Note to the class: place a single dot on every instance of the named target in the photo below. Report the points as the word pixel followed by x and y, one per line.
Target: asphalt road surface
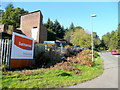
pixel 109 78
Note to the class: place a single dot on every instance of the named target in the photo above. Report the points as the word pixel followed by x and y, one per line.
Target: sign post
pixel 22 51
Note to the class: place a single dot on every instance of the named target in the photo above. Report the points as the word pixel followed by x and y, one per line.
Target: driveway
pixel 109 78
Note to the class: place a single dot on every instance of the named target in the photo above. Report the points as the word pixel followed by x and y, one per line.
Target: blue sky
pixel 78 13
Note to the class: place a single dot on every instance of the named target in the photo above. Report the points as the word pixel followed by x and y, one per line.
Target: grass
pixel 0 78
pixel 51 78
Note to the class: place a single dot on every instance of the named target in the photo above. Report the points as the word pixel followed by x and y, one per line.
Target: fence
pixel 56 50
pixel 5 51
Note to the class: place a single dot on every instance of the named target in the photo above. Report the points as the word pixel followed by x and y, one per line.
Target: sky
pixel 77 12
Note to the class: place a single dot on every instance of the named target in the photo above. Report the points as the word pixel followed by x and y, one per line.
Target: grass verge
pixel 0 78
pixel 51 78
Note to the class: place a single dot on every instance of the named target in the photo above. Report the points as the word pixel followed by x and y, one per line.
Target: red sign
pixel 23 43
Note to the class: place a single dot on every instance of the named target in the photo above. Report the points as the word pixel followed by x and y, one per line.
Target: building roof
pixel 33 12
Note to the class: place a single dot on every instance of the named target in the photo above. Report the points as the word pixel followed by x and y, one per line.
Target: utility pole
pixel 92 42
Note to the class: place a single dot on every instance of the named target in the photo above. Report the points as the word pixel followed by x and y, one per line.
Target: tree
pixel 59 30
pixel 12 15
pixel 68 35
pixel 97 41
pixel 51 35
pixel 1 11
pixel 9 6
pixel 81 38
pixel 106 39
pixel 55 29
pixel 72 27
pixel 102 45
pixel 49 24
pixel 78 37
pixel 62 32
pixel 18 12
pixel 111 40
pixel 7 16
pixel 113 43
pixel 119 36
pixel 78 27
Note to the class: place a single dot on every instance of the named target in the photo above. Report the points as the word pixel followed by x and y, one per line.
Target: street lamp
pixel 92 42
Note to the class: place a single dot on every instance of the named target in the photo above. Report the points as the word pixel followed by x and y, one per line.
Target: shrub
pixel 69 68
pixel 96 54
pixel 83 58
pixel 62 64
pixel 47 59
pixel 67 46
pixel 66 66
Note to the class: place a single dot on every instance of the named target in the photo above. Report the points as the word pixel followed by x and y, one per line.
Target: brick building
pixel 32 26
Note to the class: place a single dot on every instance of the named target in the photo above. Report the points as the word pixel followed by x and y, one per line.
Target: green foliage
pixel 97 41
pixel 51 35
pixel 49 24
pixel 79 37
pixel 10 29
pixel 72 27
pixel 118 36
pixel 111 40
pixel 67 35
pixel 1 11
pixel 69 32
pixel 78 27
pixel 96 54
pixel 58 29
pixel 47 59
pixel 55 30
pixel 9 6
pixel 12 15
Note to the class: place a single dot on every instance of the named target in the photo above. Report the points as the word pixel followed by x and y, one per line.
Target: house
pixel 31 25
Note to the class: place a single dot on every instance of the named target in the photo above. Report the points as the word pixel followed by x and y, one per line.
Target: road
pixel 109 78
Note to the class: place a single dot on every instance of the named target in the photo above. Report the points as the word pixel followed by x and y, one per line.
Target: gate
pixel 5 52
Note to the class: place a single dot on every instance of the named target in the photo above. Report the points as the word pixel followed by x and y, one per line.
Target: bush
pixel 47 59
pixel 96 54
pixel 83 58
pixel 66 66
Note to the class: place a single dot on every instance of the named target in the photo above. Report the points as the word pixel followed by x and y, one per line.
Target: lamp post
pixel 92 42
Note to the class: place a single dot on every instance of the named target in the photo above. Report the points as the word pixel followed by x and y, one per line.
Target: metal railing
pixel 5 51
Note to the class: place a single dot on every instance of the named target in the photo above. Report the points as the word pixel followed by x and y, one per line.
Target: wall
pixel 43 34
pixel 29 21
pixel 33 20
